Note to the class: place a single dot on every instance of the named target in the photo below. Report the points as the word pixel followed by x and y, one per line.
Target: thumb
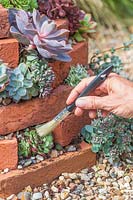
pixel 93 102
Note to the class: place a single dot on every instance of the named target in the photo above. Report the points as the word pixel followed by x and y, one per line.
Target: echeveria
pixel 39 32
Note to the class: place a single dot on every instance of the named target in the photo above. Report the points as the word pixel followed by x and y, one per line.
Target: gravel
pixel 96 183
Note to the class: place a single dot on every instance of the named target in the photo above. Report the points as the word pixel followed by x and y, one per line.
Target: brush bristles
pixel 46 128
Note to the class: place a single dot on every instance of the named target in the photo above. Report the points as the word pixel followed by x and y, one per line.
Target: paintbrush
pixel 47 128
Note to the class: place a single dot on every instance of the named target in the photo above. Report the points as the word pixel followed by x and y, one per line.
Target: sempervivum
pixel 39 32
pixel 62 8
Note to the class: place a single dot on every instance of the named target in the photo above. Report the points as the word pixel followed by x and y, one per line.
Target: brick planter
pixel 4 24
pixel 79 55
pixel 44 172
pixel 36 111
pixel 69 128
pixel 8 154
pixel 9 51
pixel 16 117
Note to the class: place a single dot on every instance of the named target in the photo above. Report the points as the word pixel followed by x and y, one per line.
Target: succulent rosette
pixel 41 33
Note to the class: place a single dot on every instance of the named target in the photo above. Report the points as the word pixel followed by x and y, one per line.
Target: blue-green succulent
pixel 21 85
pixel 4 80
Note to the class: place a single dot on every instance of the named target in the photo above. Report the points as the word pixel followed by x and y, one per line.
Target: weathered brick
pixel 4 24
pixel 46 171
pixel 62 24
pixel 8 154
pixel 79 55
pixel 36 111
pixel 9 51
pixel 70 128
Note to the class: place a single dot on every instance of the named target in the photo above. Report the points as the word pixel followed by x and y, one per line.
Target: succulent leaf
pixel 4 79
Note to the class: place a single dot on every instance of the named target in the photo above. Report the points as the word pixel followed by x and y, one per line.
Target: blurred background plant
pixel 100 60
pixel 109 13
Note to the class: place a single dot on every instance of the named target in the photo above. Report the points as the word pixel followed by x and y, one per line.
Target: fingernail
pixel 80 103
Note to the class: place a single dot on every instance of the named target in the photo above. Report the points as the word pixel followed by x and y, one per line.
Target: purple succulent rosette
pixel 41 33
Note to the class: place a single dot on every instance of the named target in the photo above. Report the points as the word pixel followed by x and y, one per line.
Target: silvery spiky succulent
pixel 76 74
pixel 39 32
pixel 21 85
pixel 4 80
pixel 42 74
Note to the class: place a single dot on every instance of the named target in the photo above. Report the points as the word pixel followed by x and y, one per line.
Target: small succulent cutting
pixel 27 5
pixel 40 33
pixel 4 79
pixel 62 8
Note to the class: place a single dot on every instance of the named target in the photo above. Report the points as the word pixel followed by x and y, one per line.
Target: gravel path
pixel 101 182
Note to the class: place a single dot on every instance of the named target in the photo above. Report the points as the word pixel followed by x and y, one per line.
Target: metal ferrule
pixel 62 115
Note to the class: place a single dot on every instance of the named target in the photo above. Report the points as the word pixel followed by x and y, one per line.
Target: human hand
pixel 114 95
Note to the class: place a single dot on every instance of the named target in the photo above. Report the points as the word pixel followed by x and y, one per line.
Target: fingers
pixel 94 103
pixel 78 111
pixel 92 114
pixel 101 90
pixel 78 89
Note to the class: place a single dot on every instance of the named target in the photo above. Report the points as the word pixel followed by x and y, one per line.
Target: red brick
pixel 69 128
pixel 9 52
pixel 62 24
pixel 46 171
pixel 36 111
pixel 84 145
pixel 4 24
pixel 79 55
pixel 8 154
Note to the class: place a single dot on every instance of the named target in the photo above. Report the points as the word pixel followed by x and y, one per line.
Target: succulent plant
pixel 111 135
pixel 87 26
pixel 76 74
pixel 27 5
pixel 21 85
pixel 32 144
pixel 4 79
pixel 62 8
pixel 38 32
pixel 42 74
